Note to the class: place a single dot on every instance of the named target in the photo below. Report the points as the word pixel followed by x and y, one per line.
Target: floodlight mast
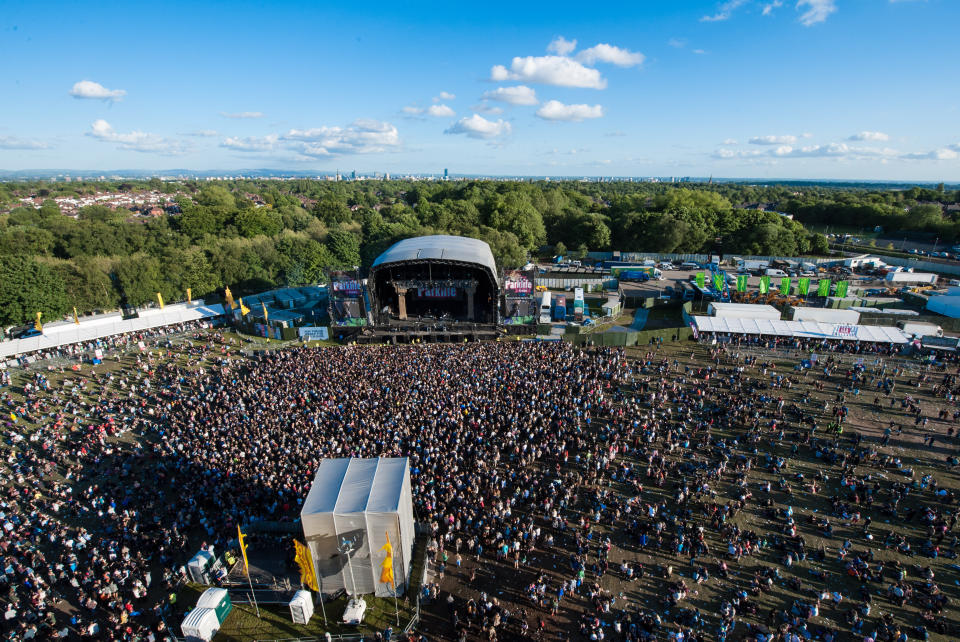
pixel 345 548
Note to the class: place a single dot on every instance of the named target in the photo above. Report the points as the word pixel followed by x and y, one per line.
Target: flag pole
pixel 246 567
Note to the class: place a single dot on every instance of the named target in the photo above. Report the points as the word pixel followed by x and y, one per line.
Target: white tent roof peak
pixel 351 485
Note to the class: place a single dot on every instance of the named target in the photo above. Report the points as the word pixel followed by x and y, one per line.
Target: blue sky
pixel 744 88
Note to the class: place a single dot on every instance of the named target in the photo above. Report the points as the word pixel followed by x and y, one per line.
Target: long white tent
pixel 351 508
pixel 802 329
pixel 106 325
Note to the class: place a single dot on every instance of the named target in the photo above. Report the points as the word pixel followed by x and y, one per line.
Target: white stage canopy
pixel 97 327
pixel 360 501
pixel 802 329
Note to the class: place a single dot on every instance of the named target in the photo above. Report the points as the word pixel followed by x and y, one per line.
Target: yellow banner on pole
pixel 386 567
pixel 76 319
pixel 244 310
pixel 243 550
pixel 160 300
pixel 228 295
pixel 189 295
pixel 266 315
pixel 36 324
pixel 305 562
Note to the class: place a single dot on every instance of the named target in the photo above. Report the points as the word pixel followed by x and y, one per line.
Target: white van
pixel 774 272
pixel 689 265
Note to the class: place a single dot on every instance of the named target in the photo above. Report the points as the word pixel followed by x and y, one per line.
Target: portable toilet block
pixel 200 567
pixel 217 599
pixel 200 624
pixel 301 607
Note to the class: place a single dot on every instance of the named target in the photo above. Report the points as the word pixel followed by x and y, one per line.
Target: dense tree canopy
pixel 252 234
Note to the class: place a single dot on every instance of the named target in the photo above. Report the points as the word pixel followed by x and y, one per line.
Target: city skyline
pixel 816 89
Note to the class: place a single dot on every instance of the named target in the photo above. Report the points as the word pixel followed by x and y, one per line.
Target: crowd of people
pixel 707 494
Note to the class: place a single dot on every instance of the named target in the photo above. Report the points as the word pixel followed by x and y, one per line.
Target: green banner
pixel 803 286
pixel 718 282
pixel 785 285
pixel 701 280
pixel 841 289
pixel 742 282
pixel 764 284
pixel 823 287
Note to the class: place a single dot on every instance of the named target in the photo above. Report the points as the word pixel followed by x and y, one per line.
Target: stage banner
pixel 785 285
pixel 845 329
pixel 345 284
pixel 437 293
pixel 701 280
pixel 313 333
pixel 803 286
pixel 764 284
pixel 518 284
pixel 842 289
pixel 823 287
pixel 742 281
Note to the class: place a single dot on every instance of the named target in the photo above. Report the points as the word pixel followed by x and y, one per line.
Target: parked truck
pixel 911 277
pixel 752 266
pixel 918 329
pixel 559 308
pixel 545 307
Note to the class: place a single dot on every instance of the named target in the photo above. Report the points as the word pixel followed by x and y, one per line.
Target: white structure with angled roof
pixel 351 507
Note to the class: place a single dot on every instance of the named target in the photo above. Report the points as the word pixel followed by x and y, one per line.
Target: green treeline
pixel 257 234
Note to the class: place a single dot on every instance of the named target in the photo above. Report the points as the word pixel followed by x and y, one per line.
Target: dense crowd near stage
pixel 689 492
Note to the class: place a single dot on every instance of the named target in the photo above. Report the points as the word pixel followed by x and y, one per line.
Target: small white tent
pixel 352 506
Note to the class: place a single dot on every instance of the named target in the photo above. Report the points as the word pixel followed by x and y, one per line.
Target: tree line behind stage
pixel 254 235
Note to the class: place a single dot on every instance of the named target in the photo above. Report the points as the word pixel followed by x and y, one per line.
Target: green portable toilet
pixel 217 599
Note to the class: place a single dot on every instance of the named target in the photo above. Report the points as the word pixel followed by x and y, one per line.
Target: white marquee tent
pixel 359 501
pixel 97 327
pixel 802 329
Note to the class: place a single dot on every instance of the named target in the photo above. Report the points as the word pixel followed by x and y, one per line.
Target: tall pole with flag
pixel 386 573
pixel 36 324
pixel 246 568
pixel 160 300
pixel 228 295
pixel 308 574
pixel 76 319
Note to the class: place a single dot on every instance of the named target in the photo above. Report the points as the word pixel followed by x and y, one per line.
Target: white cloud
pixel 413 110
pixel 363 136
pixel 136 141
pixel 609 53
pixel 441 111
pixel 549 70
pixel 556 110
pixel 15 142
pixel 444 95
pixel 729 141
pixel 242 114
pixel 678 43
pixel 944 153
pixel 872 136
pixel 769 7
pixel 724 11
pixel 699 52
pixel 477 126
pixel 96 91
pixel 787 139
pixel 728 154
pixel 203 133
pixel 837 151
pixel 252 143
pixel 561 46
pixel 816 12
pixel 519 95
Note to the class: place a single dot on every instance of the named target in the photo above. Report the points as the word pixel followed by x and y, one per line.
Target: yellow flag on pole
pixel 160 300
pixel 244 310
pixel 36 324
pixel 76 319
pixel 266 315
pixel 307 575
pixel 386 568
pixel 243 550
pixel 189 295
pixel 228 295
